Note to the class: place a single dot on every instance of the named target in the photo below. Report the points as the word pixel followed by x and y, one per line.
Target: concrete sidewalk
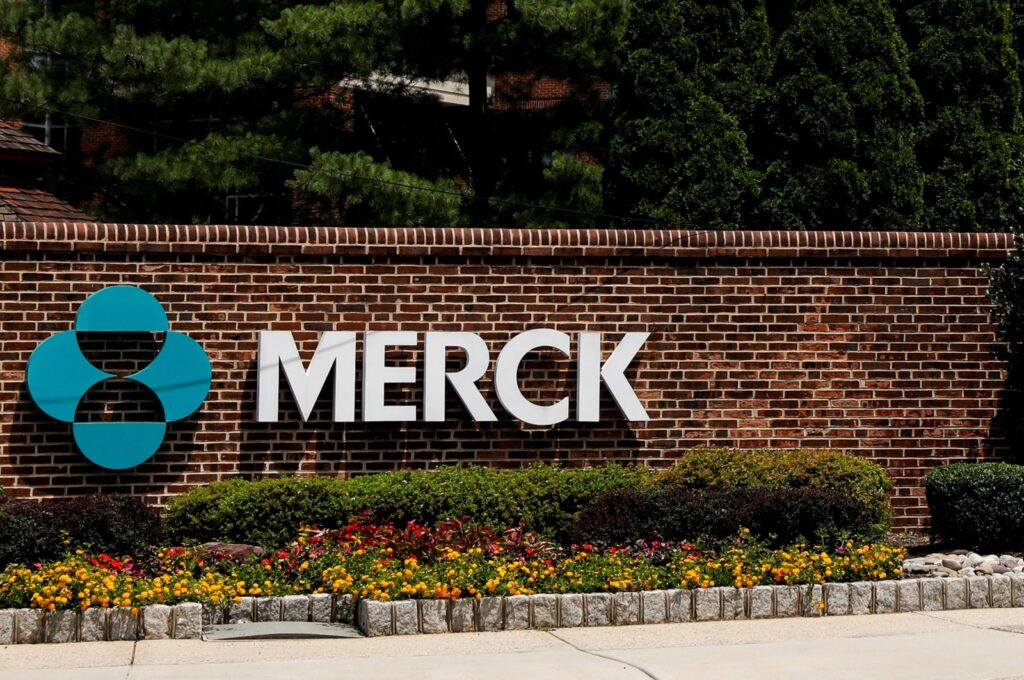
pixel 961 644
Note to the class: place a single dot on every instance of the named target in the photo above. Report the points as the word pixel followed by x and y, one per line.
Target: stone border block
pixel 122 624
pixel 156 622
pixel 860 597
pixel 320 606
pixel 812 600
pixel 268 608
pixel 374 618
pixel 545 611
pixel 29 626
pixel 463 616
pixel 1017 589
pixel 931 594
pixel 680 605
pixel 188 621
pixel 61 625
pixel 241 611
pixel 433 616
pixel 213 615
pixel 295 608
pixel 837 599
pixel 570 611
pixel 909 595
pixel 491 613
pixel 955 593
pixel 787 601
pixel 1000 588
pixel 598 609
pixel 885 597
pixel 654 606
pixel 407 617
pixel 344 609
pixel 734 603
pixel 625 609
pixel 977 592
pixel 762 602
pixel 7 627
pixel 708 604
pixel 92 626
pixel 517 612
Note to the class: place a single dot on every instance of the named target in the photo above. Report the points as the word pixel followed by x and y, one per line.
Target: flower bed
pixel 455 560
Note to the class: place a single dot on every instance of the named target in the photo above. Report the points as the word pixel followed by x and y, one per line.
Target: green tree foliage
pixel 964 58
pixel 841 154
pixel 222 98
pixel 693 82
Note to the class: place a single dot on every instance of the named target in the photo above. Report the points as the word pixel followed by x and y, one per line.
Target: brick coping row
pixel 417 241
pixel 519 612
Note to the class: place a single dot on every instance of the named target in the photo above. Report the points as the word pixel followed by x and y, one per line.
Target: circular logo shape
pixel 59 376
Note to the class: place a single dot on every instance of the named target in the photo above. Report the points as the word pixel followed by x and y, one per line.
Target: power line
pixel 351 175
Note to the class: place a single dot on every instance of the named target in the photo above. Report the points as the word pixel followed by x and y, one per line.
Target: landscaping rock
pixel 320 606
pixel 598 609
pixel 952 564
pixel 29 626
pixel 1017 589
pixel 571 611
pixel 188 621
pixel 655 606
pixel 680 606
pixel 235 551
pixel 492 612
pixel 708 604
pixel 344 609
pixel 433 616
pixel 123 624
pixel 213 615
pixel 464 616
pixel 625 609
pixel 517 612
pixel 91 628
pixel 813 600
pixel 761 602
pixel 61 626
pixel 860 597
pixel 407 618
pixel 7 627
pixel 545 611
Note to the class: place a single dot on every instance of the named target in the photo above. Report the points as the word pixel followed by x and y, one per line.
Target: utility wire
pixel 351 175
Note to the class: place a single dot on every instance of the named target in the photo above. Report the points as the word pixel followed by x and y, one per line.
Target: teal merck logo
pixel 59 376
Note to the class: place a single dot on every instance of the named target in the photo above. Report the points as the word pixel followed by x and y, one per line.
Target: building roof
pixel 21 204
pixel 14 139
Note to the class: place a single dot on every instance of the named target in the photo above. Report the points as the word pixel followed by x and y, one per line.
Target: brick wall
pixel 877 343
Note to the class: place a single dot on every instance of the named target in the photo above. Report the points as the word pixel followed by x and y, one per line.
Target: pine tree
pixel 234 97
pixel 692 87
pixel 964 58
pixel 840 152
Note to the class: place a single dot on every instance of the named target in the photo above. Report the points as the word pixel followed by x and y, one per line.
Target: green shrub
pixel 36 530
pixel 978 505
pixel 267 512
pixel 858 478
pixel 671 513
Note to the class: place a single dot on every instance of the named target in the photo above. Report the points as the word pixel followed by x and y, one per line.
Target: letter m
pixel 277 353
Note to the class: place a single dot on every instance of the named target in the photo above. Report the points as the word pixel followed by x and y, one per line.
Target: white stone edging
pixel 186 620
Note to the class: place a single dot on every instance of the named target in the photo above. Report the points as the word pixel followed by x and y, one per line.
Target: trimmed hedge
pixel 267 512
pixel 859 478
pixel 36 530
pixel 673 513
pixel 977 505
pixel 541 498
